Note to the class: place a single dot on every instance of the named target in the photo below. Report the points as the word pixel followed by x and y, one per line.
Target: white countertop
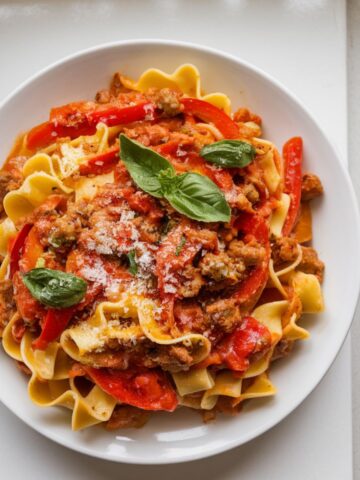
pixel 300 42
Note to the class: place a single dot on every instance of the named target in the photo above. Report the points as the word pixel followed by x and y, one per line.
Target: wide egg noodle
pixel 261 387
pixel 279 215
pixel 192 381
pixel 73 154
pixel 32 193
pixel 7 231
pixel 50 385
pixel 198 344
pixel 111 321
pixel 266 158
pixel 11 347
pixel 269 315
pixel 185 78
pixel 274 276
pixel 87 187
pixel 226 384
pixel 308 289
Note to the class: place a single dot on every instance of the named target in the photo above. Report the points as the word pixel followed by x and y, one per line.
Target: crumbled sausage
pixel 7 302
pixel 103 96
pixel 244 115
pixel 7 183
pixel 311 263
pixel 282 349
pixel 167 100
pixel 284 250
pixel 250 192
pixel 191 281
pixel 116 85
pixel 311 187
pixel 223 313
pixel 221 266
pixel 125 416
pixel 250 253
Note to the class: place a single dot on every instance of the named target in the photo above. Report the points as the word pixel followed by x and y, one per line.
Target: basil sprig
pixel 54 288
pixel 191 194
pixel 229 153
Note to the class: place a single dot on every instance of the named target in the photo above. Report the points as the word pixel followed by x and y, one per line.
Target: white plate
pixel 181 436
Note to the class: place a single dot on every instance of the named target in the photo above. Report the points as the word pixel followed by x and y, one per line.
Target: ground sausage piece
pixel 311 263
pixel 223 313
pixel 7 183
pixel 284 250
pixel 7 302
pixel 167 100
pixel 221 266
pixel 191 282
pixel 282 349
pixel 244 115
pixel 127 417
pixel 103 96
pixel 250 192
pixel 311 187
pixel 250 253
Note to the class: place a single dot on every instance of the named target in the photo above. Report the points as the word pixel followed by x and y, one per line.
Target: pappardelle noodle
pixel 155 253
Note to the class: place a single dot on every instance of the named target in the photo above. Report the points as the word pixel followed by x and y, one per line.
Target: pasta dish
pixel 155 253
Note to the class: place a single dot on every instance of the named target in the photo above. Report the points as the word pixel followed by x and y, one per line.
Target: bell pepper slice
pixel 235 349
pixel 101 163
pixel 292 153
pixel 211 114
pixel 31 251
pixel 77 119
pixel 54 324
pixel 254 226
pixel 139 387
pixel 16 247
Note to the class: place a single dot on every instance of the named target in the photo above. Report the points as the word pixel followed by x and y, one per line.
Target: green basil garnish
pixel 54 288
pixel 144 165
pixel 229 153
pixel 191 194
pixel 133 268
pixel 180 246
pixel 197 197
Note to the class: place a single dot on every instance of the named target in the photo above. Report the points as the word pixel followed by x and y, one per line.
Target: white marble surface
pixel 302 43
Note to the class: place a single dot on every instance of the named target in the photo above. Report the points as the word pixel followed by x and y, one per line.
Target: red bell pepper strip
pixel 292 153
pixel 73 120
pixel 16 246
pixel 54 324
pixel 254 226
pixel 101 163
pixel 31 251
pixel 211 114
pixel 139 387
pixel 235 349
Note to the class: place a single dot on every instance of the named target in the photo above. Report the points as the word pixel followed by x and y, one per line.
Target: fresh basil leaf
pixel 144 165
pixel 180 246
pixel 197 197
pixel 229 153
pixel 133 268
pixel 191 194
pixel 54 288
